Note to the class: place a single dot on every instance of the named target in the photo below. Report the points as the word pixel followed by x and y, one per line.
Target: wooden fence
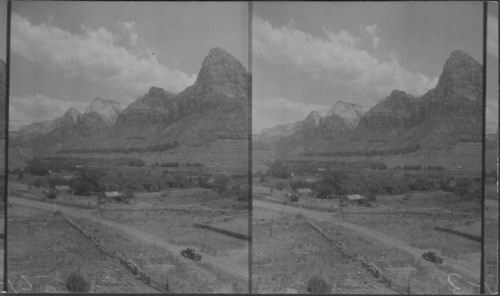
pixel 224 231
pixel 404 289
pixel 136 270
pixel 460 233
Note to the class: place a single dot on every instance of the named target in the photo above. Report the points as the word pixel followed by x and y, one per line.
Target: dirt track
pixel 227 265
pixel 466 270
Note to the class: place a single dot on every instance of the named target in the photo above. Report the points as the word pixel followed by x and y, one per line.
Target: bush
pixel 51 194
pixel 318 285
pixel 77 282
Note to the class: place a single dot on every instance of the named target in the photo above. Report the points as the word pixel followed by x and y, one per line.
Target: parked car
pixel 433 257
pixel 191 254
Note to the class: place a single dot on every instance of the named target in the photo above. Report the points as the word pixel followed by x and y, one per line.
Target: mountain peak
pixel 350 113
pixel 72 113
pixel 99 104
pixel 314 116
pixel 221 74
pixel 462 75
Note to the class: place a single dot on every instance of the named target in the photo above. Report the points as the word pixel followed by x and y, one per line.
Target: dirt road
pixel 231 267
pixel 471 272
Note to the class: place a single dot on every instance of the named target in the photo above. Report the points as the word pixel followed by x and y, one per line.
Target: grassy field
pixel 44 249
pixel 417 230
pixel 287 253
pixel 183 276
pixel 402 267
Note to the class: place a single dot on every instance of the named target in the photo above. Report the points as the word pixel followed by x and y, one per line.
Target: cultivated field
pixel 287 253
pixel 44 249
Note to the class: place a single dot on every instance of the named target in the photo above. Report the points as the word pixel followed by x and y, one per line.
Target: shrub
pixel 294 198
pixel 77 282
pixel 51 194
pixel 317 285
pixel 37 182
pixel 280 186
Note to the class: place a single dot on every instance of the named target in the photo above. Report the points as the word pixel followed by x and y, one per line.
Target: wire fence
pixel 374 269
pixel 224 231
pixel 162 286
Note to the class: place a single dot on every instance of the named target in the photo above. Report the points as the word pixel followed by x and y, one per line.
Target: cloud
pixel 339 57
pixel 271 112
pixel 373 33
pixel 26 110
pixel 94 54
pixel 492 38
pixel 491 115
pixel 130 29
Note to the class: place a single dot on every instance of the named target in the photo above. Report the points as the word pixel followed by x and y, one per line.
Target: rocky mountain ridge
pixel 445 115
pixel 214 107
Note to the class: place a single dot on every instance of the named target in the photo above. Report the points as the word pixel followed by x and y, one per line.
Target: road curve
pixel 241 271
pixel 468 271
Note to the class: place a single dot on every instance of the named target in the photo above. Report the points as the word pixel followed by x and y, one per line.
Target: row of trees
pixel 125 150
pixel 396 151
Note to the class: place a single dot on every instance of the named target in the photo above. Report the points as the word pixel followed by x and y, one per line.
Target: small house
pixel 114 195
pixel 62 190
pixel 304 192
pixel 355 198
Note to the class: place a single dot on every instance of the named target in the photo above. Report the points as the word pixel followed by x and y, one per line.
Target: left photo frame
pixel 128 147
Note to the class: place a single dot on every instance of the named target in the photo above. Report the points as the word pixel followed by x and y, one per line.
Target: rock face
pixel 397 110
pixel 445 115
pixel 214 107
pixel 104 111
pixel 155 107
pixel 351 113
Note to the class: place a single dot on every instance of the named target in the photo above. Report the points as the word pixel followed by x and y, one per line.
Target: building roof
pixel 62 187
pixel 304 190
pixel 355 197
pixel 112 194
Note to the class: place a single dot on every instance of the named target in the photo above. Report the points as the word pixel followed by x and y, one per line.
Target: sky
pixel 65 54
pixel 307 56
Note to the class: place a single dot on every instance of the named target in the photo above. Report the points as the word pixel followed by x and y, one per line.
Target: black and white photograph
pixel 128 147
pixel 367 122
pixel 241 147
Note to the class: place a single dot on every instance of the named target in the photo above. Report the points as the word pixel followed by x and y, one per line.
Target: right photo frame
pixel 370 122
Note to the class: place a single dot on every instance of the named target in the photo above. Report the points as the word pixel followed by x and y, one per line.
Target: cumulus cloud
pixel 492 38
pixel 26 110
pixel 95 54
pixel 130 29
pixel 338 56
pixel 272 112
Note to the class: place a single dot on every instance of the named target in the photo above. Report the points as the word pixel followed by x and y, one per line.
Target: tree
pixel 129 194
pixel 37 168
pixel 317 285
pixel 324 190
pixel 77 282
pixel 90 180
pixel 462 186
pixel 279 170
pixel 51 194
pixel 220 183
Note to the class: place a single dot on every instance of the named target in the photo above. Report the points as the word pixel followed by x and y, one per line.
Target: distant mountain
pixel 214 107
pixel 350 113
pixel 446 115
